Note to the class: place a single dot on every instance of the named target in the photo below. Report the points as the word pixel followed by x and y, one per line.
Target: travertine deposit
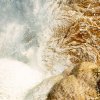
pixel 74 34
pixel 72 37
pixel 80 84
pixel 59 39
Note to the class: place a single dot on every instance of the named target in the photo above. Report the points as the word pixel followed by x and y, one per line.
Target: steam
pixel 21 23
pixel 19 26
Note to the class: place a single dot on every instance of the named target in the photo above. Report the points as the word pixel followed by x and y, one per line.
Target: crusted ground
pixel 75 34
pixel 80 84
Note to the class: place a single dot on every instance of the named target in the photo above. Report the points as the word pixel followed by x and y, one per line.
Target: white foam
pixel 16 79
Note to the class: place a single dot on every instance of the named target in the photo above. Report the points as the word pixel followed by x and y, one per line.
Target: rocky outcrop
pixel 72 37
pixel 74 31
pixel 80 84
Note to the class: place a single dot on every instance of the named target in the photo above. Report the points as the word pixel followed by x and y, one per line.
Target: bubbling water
pixel 20 25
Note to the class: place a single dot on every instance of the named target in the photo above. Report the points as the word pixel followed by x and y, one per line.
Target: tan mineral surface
pixel 80 84
pixel 58 43
pixel 75 34
pixel 73 43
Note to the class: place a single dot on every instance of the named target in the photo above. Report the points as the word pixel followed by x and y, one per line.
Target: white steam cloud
pixel 20 25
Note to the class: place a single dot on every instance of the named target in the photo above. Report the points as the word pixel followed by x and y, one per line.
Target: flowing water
pixel 20 25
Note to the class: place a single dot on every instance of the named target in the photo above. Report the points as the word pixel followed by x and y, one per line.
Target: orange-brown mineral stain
pixel 82 34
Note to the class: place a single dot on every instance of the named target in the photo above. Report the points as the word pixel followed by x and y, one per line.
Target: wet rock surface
pixel 79 85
